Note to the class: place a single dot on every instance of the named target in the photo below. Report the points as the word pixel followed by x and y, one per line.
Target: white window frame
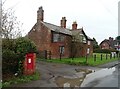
pixel 88 50
pixel 89 42
pixel 58 37
pixel 62 49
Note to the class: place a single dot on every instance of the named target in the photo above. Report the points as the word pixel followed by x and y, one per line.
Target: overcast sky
pixel 99 18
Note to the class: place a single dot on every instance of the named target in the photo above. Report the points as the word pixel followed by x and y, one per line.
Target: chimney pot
pixel 63 22
pixel 110 39
pixel 40 14
pixel 74 25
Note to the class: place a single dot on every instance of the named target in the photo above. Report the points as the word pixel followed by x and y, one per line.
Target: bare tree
pixel 11 28
pixel 77 42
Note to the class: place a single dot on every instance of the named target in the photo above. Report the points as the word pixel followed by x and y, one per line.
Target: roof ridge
pixel 57 26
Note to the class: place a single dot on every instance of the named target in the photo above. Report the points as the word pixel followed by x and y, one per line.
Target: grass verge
pixel 22 79
pixel 82 61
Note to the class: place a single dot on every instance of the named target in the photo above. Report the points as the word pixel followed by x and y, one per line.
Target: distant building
pixel 58 40
pixel 110 44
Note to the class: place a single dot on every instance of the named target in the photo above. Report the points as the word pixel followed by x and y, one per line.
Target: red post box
pixel 29 63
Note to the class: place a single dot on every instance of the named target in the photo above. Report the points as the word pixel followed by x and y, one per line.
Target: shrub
pixel 14 51
pixel 23 46
pixel 8 44
pixel 104 50
pixel 9 62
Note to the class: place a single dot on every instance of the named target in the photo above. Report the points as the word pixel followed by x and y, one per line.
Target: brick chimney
pixel 111 39
pixel 63 22
pixel 74 25
pixel 40 14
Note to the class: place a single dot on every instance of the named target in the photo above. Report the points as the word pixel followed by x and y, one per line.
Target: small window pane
pixel 88 42
pixel 55 37
pixel 62 49
pixel 58 37
pixel 88 50
pixel 61 38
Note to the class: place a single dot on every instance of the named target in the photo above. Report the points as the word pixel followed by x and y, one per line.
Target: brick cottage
pixel 110 43
pixel 58 41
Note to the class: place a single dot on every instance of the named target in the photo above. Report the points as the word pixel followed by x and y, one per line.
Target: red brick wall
pixel 41 36
pixel 55 53
pixel 81 49
pixel 84 50
pixel 104 45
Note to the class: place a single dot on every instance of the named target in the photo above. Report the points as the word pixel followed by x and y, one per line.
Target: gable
pixel 105 42
pixel 78 36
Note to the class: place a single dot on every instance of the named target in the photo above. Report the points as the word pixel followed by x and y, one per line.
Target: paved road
pixel 106 77
pixel 59 75
pixel 62 75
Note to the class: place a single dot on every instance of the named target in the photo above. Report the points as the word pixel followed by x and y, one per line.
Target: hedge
pixel 13 54
pixel 10 61
pixel 104 50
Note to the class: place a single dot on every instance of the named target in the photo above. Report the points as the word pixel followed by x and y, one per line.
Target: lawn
pixel 91 61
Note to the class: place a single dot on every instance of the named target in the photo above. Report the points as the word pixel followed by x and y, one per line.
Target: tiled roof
pixel 65 30
pixel 57 28
pixel 75 32
pixel 111 43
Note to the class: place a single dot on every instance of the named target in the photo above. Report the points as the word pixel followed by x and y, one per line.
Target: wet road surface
pixel 106 77
pixel 62 75
pixel 59 75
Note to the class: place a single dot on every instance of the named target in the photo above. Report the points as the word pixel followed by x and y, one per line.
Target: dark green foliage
pixel 8 44
pixel 10 61
pixel 95 44
pixel 23 46
pixel 104 50
pixel 118 38
pixel 13 54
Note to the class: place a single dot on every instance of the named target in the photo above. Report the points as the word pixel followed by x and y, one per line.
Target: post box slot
pixel 29 60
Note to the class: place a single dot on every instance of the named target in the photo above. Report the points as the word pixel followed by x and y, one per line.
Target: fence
pixel 105 56
pixel 43 55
